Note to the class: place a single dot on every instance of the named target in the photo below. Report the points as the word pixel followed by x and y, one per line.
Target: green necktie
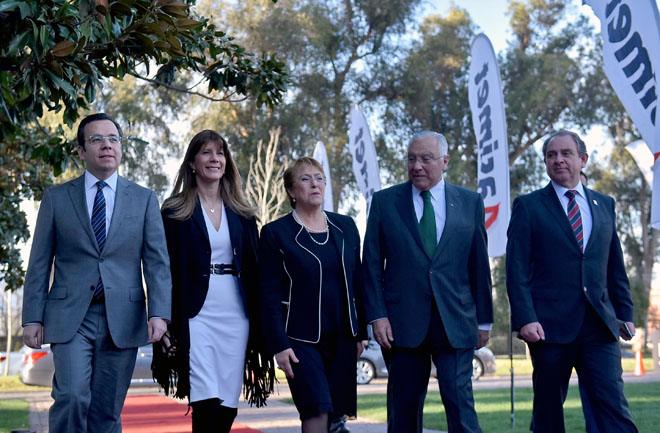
pixel 427 225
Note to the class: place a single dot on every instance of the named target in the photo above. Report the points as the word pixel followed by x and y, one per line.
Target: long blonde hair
pixel 183 200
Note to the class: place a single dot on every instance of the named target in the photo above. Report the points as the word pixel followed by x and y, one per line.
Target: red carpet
pixel 160 414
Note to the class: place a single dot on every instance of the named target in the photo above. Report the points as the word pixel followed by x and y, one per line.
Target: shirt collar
pixel 561 190
pixel 90 181
pixel 436 190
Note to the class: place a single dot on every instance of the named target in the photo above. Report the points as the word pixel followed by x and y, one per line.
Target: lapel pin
pixel 451 204
pixel 595 202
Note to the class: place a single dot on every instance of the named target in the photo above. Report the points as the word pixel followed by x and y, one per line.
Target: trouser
pixel 91 378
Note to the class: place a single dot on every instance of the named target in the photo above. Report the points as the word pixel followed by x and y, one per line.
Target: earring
pixel 293 199
pixel 194 172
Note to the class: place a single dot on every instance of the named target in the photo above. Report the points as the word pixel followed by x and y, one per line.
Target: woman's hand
pixel 360 347
pixel 284 360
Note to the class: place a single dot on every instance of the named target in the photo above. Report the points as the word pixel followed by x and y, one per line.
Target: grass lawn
pixel 494 406
pixel 13 383
pixel 523 366
pixel 14 415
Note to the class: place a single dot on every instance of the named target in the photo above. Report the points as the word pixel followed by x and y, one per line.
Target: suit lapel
pixel 453 209
pixel 199 221
pixel 122 201
pixel 406 211
pixel 554 206
pixel 596 218
pixel 235 233
pixel 337 236
pixel 79 201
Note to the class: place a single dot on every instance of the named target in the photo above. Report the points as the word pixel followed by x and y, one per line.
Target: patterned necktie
pixel 574 217
pixel 98 225
pixel 427 225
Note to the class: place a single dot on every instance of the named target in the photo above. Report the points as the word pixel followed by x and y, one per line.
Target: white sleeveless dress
pixel 219 333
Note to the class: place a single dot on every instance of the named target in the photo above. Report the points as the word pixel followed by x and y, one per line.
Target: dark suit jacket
pixel 290 280
pixel 549 279
pixel 134 247
pixel 401 280
pixel 190 257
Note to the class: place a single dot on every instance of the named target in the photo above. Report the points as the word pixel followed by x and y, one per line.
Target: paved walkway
pixel 277 417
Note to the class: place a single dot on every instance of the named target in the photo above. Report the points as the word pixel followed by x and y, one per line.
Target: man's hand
pixel 383 332
pixel 157 328
pixel 631 327
pixel 484 336
pixel 532 332
pixel 33 335
pixel 284 360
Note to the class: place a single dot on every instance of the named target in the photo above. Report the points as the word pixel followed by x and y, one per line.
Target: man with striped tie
pixel 569 293
pixel 103 233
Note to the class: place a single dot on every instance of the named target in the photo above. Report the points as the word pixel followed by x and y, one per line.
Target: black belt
pixel 222 268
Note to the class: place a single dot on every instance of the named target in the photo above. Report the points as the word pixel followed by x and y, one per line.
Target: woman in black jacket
pixel 211 236
pixel 310 291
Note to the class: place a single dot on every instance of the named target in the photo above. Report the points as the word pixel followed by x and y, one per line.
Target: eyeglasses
pixel 98 139
pixel 306 180
pixel 425 159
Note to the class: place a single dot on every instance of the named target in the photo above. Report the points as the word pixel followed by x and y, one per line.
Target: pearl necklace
pixel 309 230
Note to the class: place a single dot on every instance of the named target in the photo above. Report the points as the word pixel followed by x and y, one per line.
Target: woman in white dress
pixel 212 241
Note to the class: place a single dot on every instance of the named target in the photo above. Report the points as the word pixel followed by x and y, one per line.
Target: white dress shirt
pixel 439 206
pixel 109 192
pixel 583 204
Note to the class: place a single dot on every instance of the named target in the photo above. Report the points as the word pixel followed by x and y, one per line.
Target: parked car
pixel 15 362
pixel 371 364
pixel 38 368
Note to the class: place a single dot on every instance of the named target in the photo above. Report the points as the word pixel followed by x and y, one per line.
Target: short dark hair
pixel 93 118
pixel 579 144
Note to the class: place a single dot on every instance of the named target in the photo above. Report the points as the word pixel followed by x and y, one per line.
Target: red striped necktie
pixel 575 218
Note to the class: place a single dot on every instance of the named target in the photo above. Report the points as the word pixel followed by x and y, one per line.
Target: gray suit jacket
pixel 135 244
pixel 401 280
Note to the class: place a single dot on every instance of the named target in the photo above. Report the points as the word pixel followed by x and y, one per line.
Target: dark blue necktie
pixel 98 225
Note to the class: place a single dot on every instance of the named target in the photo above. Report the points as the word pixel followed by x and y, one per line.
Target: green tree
pixel 56 56
pixel 333 49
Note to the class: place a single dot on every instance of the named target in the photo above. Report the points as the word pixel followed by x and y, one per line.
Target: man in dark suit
pixel 568 290
pixel 427 287
pixel 103 234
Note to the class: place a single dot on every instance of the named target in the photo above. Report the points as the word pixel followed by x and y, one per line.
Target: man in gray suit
pixel 103 233
pixel 427 287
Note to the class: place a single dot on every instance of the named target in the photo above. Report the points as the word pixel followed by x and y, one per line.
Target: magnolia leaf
pixel 63 48
pixel 186 23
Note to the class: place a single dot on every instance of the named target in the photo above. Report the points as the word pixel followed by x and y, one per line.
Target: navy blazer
pixel 549 278
pixel 290 278
pixel 401 280
pixel 190 260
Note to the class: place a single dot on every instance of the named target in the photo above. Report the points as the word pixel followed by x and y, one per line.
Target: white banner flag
pixel 630 30
pixel 365 164
pixel 321 156
pixel 489 122
pixel 643 158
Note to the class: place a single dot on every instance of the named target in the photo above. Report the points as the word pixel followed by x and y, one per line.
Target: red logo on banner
pixel 491 214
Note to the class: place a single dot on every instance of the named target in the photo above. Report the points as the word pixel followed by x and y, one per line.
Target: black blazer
pixel 401 280
pixel 190 259
pixel 290 281
pixel 549 279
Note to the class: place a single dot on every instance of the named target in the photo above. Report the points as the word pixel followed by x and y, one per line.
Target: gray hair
pixel 443 147
pixel 579 144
